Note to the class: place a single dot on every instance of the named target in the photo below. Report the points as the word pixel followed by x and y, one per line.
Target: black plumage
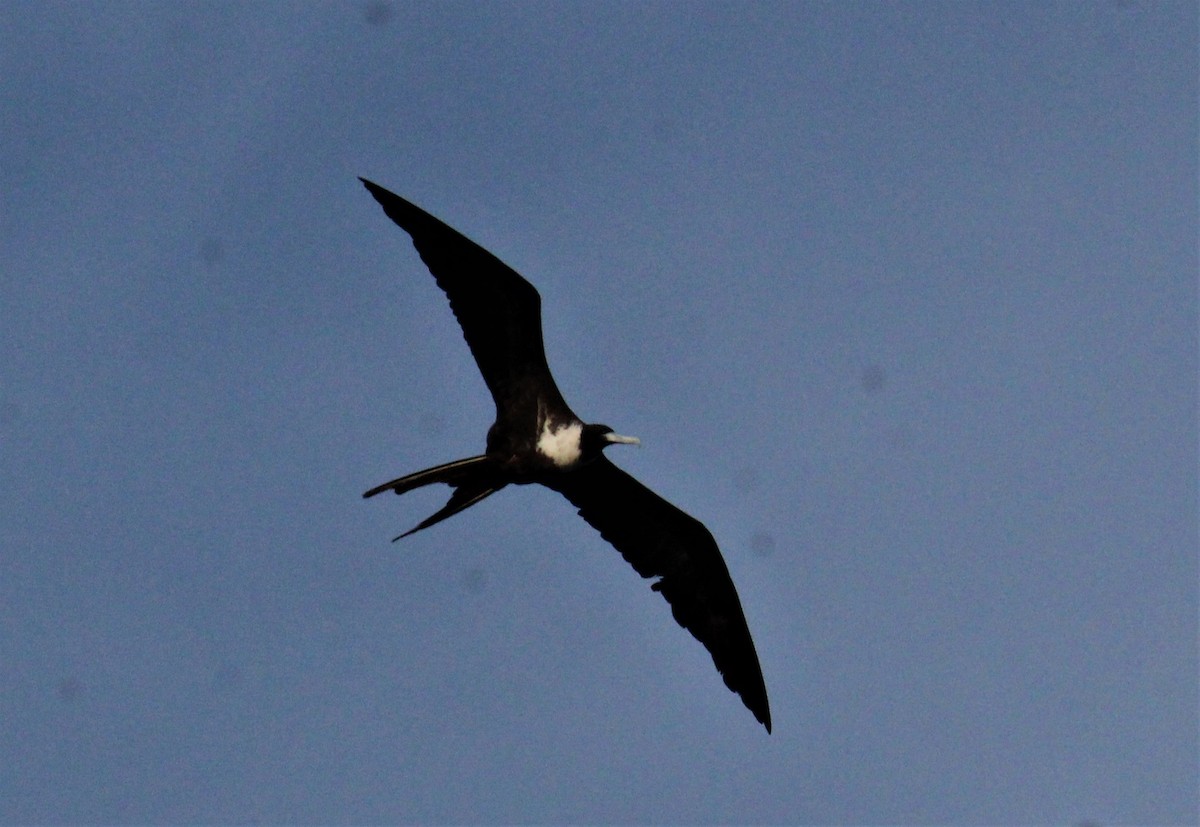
pixel 537 438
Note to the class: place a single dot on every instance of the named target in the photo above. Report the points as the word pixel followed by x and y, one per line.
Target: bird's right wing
pixel 659 540
pixel 498 310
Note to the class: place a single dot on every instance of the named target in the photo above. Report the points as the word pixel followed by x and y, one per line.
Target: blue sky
pixel 900 298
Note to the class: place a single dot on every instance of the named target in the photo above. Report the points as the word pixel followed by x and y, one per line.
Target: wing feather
pixel 498 310
pixel 659 540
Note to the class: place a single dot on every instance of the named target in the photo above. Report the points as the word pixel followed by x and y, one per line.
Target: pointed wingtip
pixel 761 709
pixel 764 714
pixel 761 713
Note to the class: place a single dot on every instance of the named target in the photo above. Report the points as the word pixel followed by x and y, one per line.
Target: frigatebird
pixel 537 438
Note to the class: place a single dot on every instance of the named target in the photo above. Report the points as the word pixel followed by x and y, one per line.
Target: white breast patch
pixel 562 445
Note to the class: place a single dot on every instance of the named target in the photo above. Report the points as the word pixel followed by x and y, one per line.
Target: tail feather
pixel 452 473
pixel 471 478
pixel 462 499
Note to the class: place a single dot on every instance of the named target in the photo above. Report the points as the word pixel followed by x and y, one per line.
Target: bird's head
pixel 596 438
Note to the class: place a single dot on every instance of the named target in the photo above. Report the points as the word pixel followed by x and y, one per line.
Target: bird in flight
pixel 537 438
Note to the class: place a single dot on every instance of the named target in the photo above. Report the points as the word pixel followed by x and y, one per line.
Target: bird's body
pixel 537 438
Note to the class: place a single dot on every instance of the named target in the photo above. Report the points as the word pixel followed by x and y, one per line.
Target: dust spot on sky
pixel 873 378
pixel 762 544
pixel 69 689
pixel 474 579
pixel 378 13
pixel 431 425
pixel 227 676
pixel 746 479
pixel 664 129
pixel 212 252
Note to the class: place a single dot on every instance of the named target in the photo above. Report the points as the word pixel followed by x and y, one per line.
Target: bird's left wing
pixel 659 540
pixel 498 310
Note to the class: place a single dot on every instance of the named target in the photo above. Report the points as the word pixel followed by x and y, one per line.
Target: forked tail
pixel 472 480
